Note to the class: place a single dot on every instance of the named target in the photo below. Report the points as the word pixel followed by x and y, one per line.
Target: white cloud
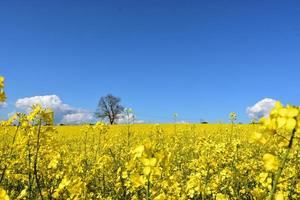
pixel 78 118
pixel 47 101
pixel 63 113
pixel 261 108
pixel 3 104
pixel 131 118
pixel 182 122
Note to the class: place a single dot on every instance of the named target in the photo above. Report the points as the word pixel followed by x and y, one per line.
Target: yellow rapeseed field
pixel 173 161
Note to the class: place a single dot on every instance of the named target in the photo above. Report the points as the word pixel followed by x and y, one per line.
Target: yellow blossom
pixel 1 81
pixel 270 162
pixel 258 137
pixel 3 194
pixel 279 195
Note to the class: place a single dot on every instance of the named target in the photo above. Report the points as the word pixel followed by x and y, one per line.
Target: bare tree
pixel 109 107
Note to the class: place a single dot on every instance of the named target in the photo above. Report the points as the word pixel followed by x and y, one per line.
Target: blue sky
pixel 201 59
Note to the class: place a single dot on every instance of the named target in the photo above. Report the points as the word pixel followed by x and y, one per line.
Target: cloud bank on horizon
pixel 261 108
pixel 63 113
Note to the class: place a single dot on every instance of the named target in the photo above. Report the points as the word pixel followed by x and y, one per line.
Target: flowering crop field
pixel 144 162
pixel 39 160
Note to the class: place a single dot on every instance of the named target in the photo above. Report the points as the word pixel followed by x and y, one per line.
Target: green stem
pixel 29 169
pixel 281 167
pixel 148 189
pixel 35 165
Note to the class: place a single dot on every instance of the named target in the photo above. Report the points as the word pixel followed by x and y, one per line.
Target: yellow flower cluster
pixel 282 126
pixel 142 171
pixel 2 93
pixel 270 162
pixel 232 116
pixel 95 162
pixel 281 118
pixel 3 194
pixel 41 161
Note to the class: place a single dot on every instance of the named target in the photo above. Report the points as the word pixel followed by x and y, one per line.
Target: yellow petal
pixel 124 175
pixel 265 121
pixel 273 113
pixel 152 162
pixel 291 123
pixel 147 170
pixel 273 125
pixel 1 81
pixel 283 112
pixel 279 195
pixel 3 194
pixel 138 180
pixel 278 105
pixel 270 162
pixel 258 137
pixel 292 112
pixel 145 161
pixel 139 151
pixel 262 140
pixel 281 121
pixel 156 171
